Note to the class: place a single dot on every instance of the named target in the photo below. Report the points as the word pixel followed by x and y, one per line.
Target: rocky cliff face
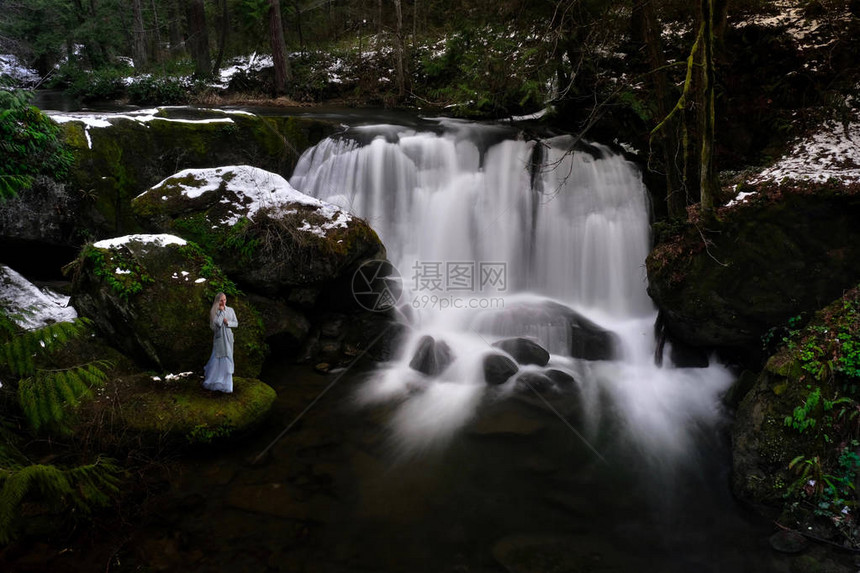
pixel 793 249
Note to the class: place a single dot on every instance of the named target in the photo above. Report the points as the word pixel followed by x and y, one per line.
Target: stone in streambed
pixel 431 356
pixel 498 368
pixel 524 350
pixel 534 381
pixel 561 378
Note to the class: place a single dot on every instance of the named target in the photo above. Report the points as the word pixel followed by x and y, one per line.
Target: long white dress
pixel 218 372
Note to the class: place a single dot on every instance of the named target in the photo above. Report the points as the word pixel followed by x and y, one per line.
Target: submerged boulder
pixel 151 295
pixel 524 350
pixel 559 329
pixel 498 368
pixel 431 357
pixel 262 232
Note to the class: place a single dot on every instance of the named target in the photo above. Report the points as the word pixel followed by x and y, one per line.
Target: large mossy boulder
pixel 791 249
pixel 151 295
pixel 803 409
pixel 183 410
pixel 118 156
pixel 262 232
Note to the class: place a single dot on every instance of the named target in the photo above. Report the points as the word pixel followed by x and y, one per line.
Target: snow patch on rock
pixel 158 240
pixel 30 307
pixel 255 189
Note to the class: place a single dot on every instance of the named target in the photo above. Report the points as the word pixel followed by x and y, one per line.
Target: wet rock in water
pixel 686 356
pixel 498 368
pixel 524 350
pixel 534 381
pixel 788 542
pixel 559 329
pixel 561 378
pixel 431 357
pixel 591 342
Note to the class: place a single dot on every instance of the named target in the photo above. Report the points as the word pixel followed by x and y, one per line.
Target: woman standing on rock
pixel 218 372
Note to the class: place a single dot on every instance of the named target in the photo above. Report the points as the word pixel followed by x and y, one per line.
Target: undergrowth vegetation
pixel 41 392
pixel 825 380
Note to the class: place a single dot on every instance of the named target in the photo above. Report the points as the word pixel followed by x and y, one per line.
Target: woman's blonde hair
pixel 214 310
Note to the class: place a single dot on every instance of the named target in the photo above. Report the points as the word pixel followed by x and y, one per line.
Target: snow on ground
pixel 831 152
pixel 256 189
pixel 253 63
pixel 29 306
pixel 11 67
pixel 808 33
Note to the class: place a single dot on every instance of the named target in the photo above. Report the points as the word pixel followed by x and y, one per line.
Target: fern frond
pixel 95 483
pixel 45 396
pixel 83 487
pixel 49 482
pixel 20 353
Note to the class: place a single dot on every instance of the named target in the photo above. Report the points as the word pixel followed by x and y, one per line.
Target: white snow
pixel 29 306
pixel 256 189
pixel 160 240
pixel 831 152
pixel 251 63
pixel 740 198
pixel 11 67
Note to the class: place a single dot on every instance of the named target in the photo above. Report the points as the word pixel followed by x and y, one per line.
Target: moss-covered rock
pixel 792 250
pixel 268 236
pixel 803 409
pixel 183 410
pixel 120 156
pixel 151 294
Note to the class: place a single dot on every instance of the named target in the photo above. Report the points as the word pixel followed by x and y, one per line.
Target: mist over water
pixel 564 227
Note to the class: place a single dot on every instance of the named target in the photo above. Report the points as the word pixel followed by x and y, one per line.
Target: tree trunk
pixel 222 37
pixel 198 37
pixel 138 43
pixel 279 47
pixel 398 48
pixel 647 26
pixel 708 183
pixel 174 27
pixel 156 34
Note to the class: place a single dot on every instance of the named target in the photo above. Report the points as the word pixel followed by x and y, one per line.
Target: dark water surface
pixel 515 490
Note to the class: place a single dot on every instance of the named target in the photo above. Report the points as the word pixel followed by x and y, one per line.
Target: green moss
pixel 184 410
pixel 118 269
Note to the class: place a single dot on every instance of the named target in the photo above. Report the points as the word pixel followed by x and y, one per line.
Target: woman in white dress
pixel 218 372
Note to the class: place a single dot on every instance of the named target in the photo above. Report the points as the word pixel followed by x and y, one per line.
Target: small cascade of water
pixel 495 237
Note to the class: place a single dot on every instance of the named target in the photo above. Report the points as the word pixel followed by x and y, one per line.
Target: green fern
pixel 43 395
pixel 84 488
pixel 20 352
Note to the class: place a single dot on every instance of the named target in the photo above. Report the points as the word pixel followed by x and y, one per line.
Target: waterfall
pixel 497 236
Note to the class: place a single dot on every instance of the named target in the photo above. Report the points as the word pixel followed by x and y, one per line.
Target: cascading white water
pixel 548 225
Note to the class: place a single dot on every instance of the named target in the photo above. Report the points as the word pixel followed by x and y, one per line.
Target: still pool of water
pixel 513 490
